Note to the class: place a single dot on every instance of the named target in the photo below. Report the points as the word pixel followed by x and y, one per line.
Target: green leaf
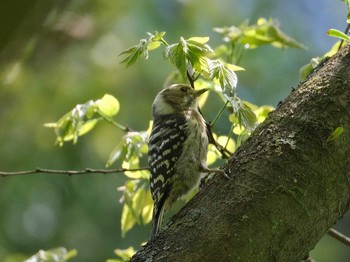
pixel 226 76
pixel 138 202
pixel 243 114
pixel 134 163
pixel 200 40
pixel 314 62
pixel 124 254
pixel 108 106
pixel 348 5
pixel 262 112
pixel 335 134
pixel 59 254
pixel 190 53
pixel 338 34
pixel 212 155
pixel 262 33
pixel 147 210
pixel 141 50
pixel 127 220
pixel 247 117
pixel 83 118
pixel 132 146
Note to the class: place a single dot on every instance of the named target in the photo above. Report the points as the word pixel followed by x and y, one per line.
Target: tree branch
pixel 339 236
pixel 289 184
pixel 71 172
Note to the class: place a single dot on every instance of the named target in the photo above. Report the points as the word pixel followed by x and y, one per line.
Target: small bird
pixel 178 147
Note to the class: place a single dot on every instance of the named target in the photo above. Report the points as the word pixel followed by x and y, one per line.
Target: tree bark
pixel 289 183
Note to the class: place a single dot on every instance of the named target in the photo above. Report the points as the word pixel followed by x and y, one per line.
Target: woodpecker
pixel 178 147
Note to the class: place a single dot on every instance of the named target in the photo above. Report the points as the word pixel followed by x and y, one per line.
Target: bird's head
pixel 176 98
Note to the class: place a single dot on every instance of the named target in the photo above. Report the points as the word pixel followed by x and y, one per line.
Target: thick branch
pixel 289 184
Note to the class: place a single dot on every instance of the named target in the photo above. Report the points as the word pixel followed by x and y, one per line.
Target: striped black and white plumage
pixel 177 147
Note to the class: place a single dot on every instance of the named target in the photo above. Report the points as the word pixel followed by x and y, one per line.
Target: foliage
pixel 197 62
pixel 123 254
pixel 59 254
pixel 335 134
pixel 83 118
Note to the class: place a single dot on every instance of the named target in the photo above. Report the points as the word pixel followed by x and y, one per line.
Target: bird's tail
pixel 157 219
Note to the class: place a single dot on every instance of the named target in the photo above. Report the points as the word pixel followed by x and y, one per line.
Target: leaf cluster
pixel 195 61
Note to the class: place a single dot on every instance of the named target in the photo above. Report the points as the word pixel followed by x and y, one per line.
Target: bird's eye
pixel 184 89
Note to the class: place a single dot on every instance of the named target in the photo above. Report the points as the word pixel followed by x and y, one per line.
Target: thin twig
pixel 345 32
pixel 224 152
pixel 339 236
pixel 71 172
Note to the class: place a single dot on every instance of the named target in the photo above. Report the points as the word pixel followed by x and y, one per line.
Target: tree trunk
pixel 289 183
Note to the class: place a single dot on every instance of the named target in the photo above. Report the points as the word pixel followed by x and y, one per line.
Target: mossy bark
pixel 289 184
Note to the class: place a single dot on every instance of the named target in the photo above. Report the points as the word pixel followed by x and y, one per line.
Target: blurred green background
pixel 58 54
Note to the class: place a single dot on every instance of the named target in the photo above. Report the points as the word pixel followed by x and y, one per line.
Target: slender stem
pixel 346 32
pixel 232 52
pixel 339 236
pixel 70 172
pixel 190 79
pixel 120 126
pixel 239 55
pixel 219 114
pixel 229 136
pixel 163 41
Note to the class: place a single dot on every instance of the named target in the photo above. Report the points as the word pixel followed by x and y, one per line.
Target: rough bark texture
pixel 289 184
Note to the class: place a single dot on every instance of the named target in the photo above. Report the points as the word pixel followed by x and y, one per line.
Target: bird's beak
pixel 201 91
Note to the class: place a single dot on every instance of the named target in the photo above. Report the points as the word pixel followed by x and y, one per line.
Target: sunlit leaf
pixel 119 152
pixel 227 142
pixel 234 67
pixel 141 50
pixel 108 106
pixel 124 254
pixel 59 254
pixel 212 155
pixel 201 40
pixel 338 34
pixel 190 53
pixel 262 33
pixel 335 134
pixel 238 130
pixel 140 201
pixel 83 118
pixel 127 220
pixel 314 62
pixel 132 146
pixel 262 112
pixel 348 5
pixel 147 210
pixel 247 117
pixel 225 75
pixel 243 114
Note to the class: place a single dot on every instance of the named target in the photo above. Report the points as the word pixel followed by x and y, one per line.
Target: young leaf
pixel 262 33
pixel 243 116
pixel 190 53
pixel 225 74
pixel 107 106
pixel 335 134
pixel 131 147
pixel 147 210
pixel 83 118
pixel 338 34
pixel 127 220
pixel 141 50
pixel 124 254
pixel 56 254
pixel 139 201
